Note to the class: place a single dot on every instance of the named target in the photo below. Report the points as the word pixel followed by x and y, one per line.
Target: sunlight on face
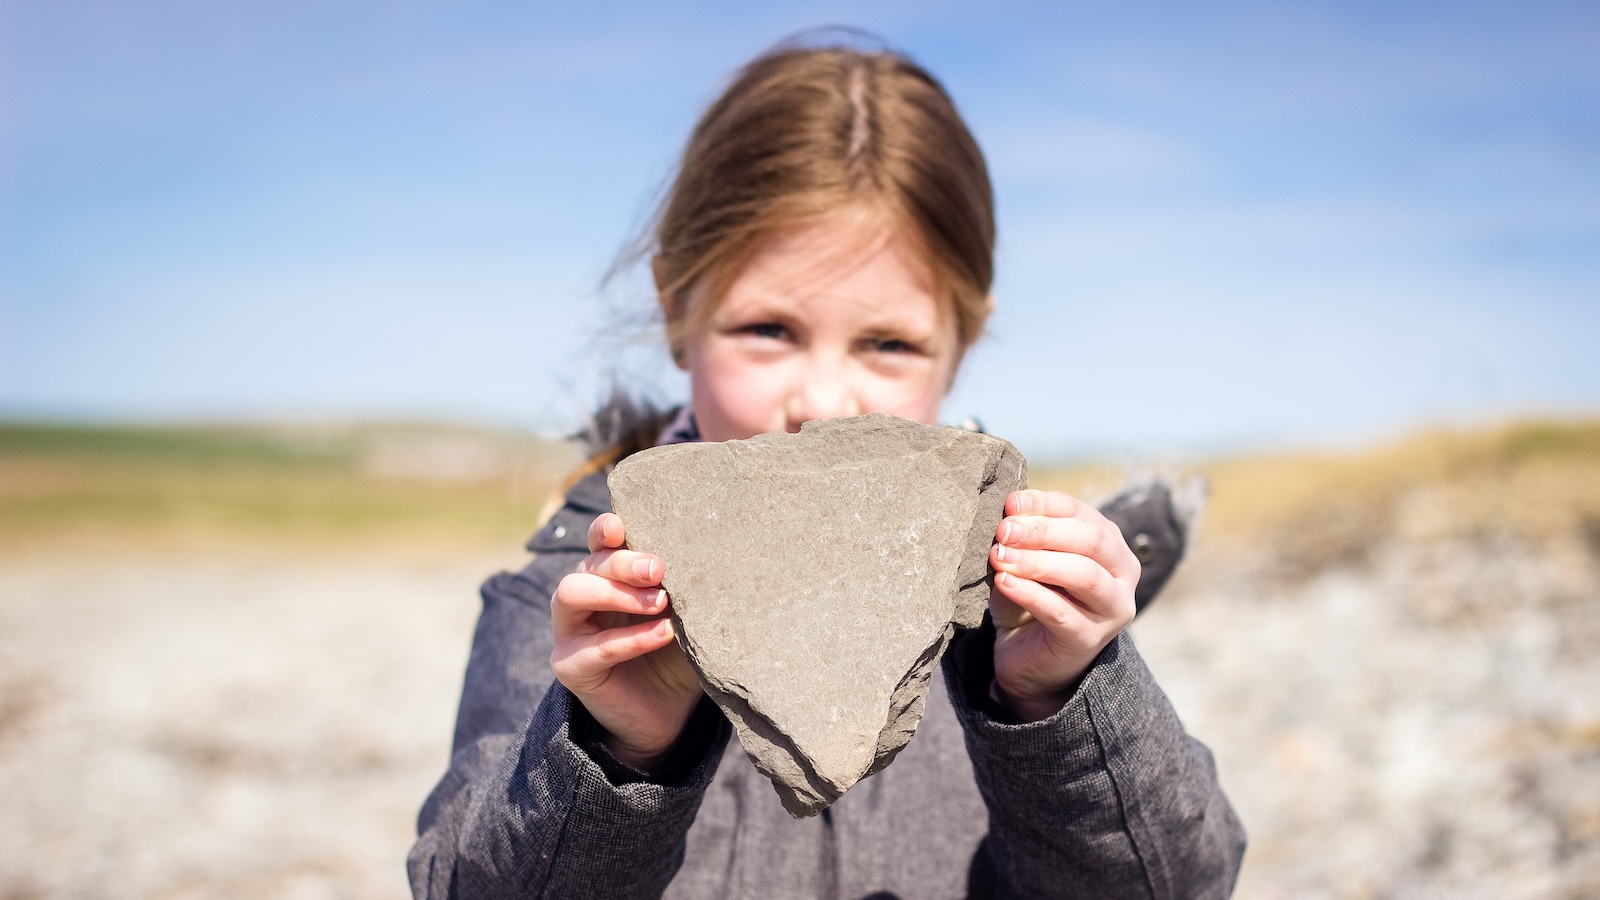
pixel 835 320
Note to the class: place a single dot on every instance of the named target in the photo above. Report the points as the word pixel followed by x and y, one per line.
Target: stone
pixel 817 577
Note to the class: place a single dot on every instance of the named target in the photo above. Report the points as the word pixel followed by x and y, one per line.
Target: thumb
pixel 1006 614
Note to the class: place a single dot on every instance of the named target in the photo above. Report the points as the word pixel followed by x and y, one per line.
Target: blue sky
pixel 1221 225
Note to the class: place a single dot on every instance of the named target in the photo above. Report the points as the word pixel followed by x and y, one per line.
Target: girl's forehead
pixel 835 244
pixel 870 286
pixel 833 257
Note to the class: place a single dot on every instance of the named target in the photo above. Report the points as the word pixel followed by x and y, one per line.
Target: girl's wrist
pixel 643 760
pixel 1031 708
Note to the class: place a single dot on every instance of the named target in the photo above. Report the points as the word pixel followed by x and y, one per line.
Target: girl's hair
pixel 806 132
pixel 802 133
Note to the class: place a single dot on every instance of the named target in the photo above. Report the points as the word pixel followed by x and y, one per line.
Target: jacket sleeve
pixel 532 804
pixel 1107 798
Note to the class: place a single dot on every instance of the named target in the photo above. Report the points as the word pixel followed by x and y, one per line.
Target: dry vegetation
pixel 1308 512
pixel 228 657
pixel 1538 482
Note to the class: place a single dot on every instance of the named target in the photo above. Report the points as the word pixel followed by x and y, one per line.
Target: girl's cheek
pixel 922 408
pixel 738 395
pixel 737 398
pixel 915 398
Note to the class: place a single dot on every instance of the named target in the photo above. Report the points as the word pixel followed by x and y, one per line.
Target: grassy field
pixel 139 488
pixel 380 482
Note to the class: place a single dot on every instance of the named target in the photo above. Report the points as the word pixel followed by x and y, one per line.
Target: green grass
pixel 191 447
pixel 132 485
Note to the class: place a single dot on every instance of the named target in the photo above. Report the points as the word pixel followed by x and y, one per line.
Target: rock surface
pixel 817 577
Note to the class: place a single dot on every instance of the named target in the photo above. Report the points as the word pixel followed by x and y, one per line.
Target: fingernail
pixel 1000 552
pixel 1006 530
pixel 643 568
pixel 659 599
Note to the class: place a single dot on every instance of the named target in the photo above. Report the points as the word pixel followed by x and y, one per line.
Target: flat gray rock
pixel 817 577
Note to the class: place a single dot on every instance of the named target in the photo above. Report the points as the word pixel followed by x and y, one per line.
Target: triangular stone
pixel 817 577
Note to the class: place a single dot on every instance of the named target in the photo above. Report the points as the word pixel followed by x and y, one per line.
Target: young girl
pixel 826 250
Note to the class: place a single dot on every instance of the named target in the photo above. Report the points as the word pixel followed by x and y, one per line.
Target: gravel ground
pixel 229 728
pixel 1421 723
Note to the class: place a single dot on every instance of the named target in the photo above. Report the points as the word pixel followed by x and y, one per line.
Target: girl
pixel 826 250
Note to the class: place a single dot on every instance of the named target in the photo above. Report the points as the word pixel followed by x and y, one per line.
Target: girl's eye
pixel 891 345
pixel 770 330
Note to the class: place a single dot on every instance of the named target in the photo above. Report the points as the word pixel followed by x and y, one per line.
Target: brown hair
pixel 805 132
pixel 802 133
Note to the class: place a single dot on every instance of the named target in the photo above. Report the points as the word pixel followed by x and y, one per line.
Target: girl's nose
pixel 823 392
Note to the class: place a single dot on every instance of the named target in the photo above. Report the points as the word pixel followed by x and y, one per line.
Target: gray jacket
pixel 1108 798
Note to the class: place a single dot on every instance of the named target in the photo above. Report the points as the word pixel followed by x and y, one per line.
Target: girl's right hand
pixel 614 647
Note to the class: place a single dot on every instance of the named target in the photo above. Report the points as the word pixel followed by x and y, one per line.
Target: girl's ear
pixel 666 310
pixel 950 382
pixel 660 280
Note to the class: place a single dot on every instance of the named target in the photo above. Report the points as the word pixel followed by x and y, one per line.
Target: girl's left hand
pixel 1065 580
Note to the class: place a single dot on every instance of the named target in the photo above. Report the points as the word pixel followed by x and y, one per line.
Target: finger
pixel 1058 614
pixel 1085 582
pixel 626 566
pixel 1046 503
pixel 1097 538
pixel 583 662
pixel 581 594
pixel 606 532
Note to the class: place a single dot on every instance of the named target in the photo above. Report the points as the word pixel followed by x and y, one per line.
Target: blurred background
pixel 297 300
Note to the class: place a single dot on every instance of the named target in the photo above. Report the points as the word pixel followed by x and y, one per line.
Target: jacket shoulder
pixel 568 528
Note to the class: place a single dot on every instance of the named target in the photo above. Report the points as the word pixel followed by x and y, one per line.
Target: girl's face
pixel 834 320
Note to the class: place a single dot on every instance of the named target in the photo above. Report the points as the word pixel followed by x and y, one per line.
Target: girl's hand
pixel 1065 581
pixel 614 647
